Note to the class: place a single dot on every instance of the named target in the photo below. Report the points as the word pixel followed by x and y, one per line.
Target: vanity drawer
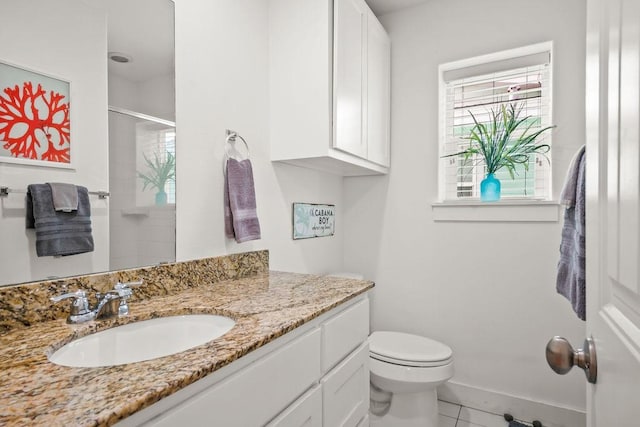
pixel 254 395
pixel 343 333
pixel 345 391
pixel 304 412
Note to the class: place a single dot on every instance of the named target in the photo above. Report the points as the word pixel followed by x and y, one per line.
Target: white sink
pixel 144 340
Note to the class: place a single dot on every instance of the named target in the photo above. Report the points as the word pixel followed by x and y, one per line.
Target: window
pixel 477 86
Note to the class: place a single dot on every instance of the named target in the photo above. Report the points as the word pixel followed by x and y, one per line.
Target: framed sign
pixel 313 220
pixel 35 126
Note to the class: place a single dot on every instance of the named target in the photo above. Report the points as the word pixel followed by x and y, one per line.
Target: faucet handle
pixel 125 291
pixel 77 294
pixel 79 303
pixel 127 285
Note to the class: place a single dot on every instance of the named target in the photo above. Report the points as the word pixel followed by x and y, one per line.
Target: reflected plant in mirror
pixel 158 173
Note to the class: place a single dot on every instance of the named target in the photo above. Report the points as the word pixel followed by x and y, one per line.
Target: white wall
pixel 486 289
pixel 222 83
pixel 44 36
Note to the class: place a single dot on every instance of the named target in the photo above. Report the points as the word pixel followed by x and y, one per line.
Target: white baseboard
pixel 522 409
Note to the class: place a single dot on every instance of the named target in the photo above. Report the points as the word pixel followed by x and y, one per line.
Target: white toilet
pixel 405 371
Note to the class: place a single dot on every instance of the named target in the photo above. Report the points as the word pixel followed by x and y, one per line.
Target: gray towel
pixel 228 217
pixel 65 196
pixel 570 280
pixel 241 218
pixel 568 194
pixel 59 233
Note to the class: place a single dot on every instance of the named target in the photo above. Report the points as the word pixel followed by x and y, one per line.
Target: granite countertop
pixel 34 391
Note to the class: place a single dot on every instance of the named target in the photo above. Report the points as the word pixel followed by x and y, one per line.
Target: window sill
pixel 502 211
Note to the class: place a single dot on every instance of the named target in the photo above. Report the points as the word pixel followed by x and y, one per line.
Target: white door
pixel 613 210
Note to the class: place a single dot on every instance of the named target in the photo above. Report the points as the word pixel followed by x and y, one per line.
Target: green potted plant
pixel 503 141
pixel 159 172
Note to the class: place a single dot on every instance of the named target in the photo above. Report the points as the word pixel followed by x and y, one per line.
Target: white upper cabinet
pixel 329 81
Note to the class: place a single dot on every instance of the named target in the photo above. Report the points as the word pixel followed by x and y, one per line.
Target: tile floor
pixel 453 415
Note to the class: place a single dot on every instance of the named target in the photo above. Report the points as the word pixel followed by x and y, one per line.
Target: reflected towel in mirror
pixel 59 233
pixel 65 196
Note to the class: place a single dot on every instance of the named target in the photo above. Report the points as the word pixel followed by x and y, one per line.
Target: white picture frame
pixel 35 118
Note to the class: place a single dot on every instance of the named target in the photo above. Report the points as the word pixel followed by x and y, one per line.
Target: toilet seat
pixel 410 364
pixel 409 350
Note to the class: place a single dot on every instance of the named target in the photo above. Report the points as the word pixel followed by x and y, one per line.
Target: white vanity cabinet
pixel 316 375
pixel 330 86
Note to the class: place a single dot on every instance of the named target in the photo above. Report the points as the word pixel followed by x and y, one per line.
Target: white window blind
pixel 480 89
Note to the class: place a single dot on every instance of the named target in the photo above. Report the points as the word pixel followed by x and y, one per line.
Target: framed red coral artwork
pixel 35 125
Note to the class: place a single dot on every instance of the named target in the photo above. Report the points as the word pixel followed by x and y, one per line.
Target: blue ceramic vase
pixel 490 189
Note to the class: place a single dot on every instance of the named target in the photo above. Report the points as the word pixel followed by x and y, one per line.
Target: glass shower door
pixel 142 224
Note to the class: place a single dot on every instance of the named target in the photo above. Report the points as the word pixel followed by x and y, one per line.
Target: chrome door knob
pixel 561 357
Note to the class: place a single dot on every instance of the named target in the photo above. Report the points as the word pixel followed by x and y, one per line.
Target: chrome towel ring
pixel 230 142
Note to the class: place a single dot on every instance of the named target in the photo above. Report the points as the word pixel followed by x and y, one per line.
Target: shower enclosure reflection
pixel 142 226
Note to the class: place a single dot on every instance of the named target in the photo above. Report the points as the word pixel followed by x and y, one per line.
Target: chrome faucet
pixel 106 307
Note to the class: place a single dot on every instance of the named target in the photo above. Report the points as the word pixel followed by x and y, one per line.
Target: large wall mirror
pixel 118 56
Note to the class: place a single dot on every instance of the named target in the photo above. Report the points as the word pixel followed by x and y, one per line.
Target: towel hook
pixel 231 140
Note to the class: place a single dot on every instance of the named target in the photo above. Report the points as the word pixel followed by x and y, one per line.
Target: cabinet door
pixel 349 85
pixel 300 76
pixel 345 390
pixel 304 412
pixel 378 93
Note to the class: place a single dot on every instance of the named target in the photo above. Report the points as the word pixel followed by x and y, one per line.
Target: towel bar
pixel 4 192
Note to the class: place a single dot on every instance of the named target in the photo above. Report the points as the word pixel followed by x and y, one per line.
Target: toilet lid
pixel 408 349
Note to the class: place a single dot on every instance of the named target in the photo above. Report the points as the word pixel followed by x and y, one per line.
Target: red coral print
pixel 30 118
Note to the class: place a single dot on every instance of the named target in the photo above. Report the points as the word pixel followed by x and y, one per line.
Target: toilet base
pixel 410 410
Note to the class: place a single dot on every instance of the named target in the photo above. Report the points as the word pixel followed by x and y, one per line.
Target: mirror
pixel 125 140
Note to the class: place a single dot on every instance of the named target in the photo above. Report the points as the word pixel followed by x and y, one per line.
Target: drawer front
pixel 256 394
pixel 304 412
pixel 343 333
pixel 345 391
